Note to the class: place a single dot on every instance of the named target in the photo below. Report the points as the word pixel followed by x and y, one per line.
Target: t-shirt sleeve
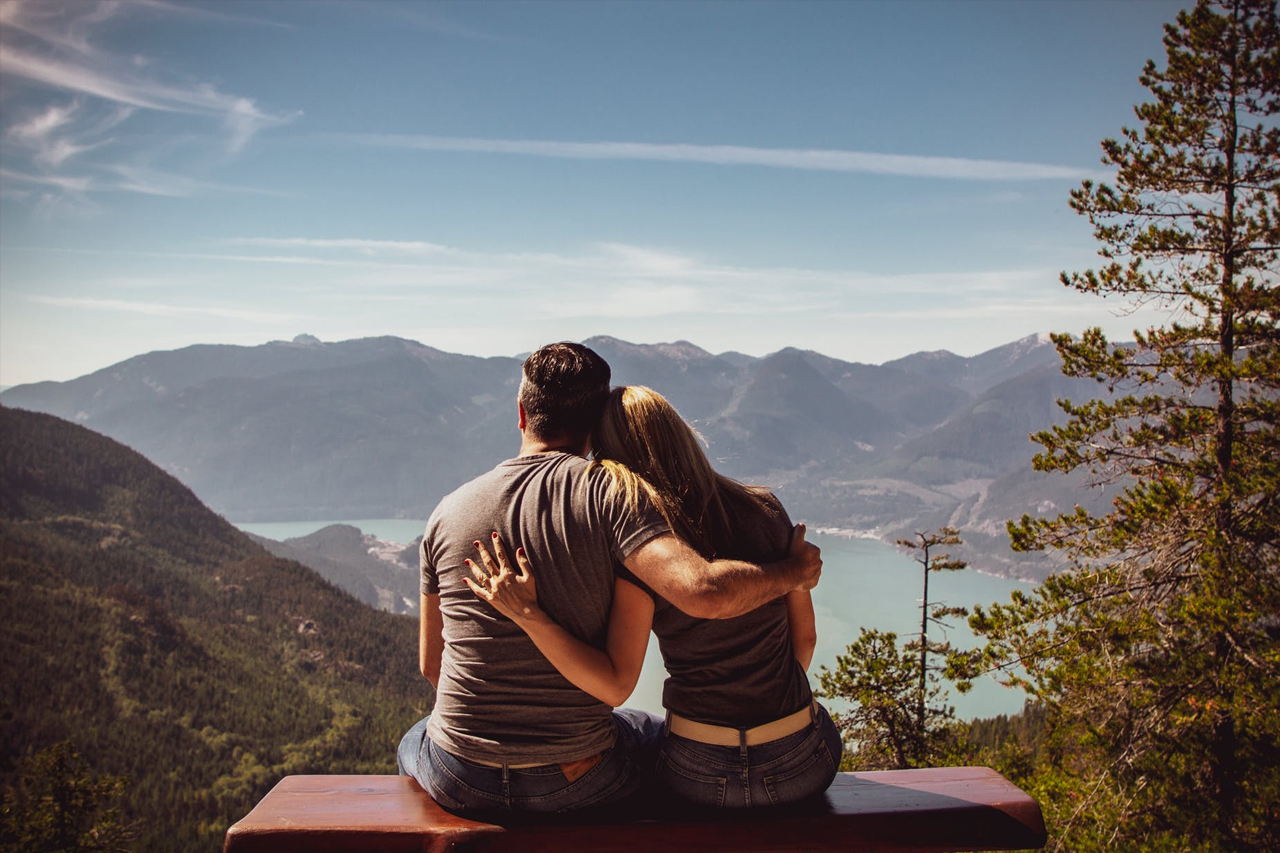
pixel 430 581
pixel 623 573
pixel 629 527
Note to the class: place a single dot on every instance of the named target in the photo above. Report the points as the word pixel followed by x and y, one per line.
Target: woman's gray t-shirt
pixel 498 698
pixel 738 672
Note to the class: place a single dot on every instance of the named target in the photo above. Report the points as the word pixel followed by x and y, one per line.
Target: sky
pixel 864 179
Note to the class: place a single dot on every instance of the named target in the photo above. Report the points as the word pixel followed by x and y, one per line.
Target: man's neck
pixel 530 445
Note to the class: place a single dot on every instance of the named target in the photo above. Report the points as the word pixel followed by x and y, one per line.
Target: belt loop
pixel 506 785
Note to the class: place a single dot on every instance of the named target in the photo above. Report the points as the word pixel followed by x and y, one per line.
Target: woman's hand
pixel 513 594
pixel 609 674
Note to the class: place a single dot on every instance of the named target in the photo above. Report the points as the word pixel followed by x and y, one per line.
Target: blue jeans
pixel 786 770
pixel 472 789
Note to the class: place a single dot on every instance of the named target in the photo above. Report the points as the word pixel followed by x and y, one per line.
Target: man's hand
pixel 722 589
pixel 805 559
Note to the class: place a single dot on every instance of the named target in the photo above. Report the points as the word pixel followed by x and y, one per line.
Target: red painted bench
pixel 896 811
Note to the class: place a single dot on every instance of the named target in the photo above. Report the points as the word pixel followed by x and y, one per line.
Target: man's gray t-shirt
pixel 498 698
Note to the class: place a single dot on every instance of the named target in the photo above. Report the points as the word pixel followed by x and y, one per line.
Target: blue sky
pixel 862 179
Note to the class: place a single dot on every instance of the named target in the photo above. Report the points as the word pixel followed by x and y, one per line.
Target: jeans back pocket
pixel 686 784
pixel 803 779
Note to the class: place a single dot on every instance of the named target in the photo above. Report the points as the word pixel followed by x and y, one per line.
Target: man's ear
pixel 520 408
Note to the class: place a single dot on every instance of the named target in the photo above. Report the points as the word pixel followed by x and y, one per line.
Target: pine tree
pixel 1157 650
pixel 923 544
pixel 899 718
pixel 880 679
pixel 59 805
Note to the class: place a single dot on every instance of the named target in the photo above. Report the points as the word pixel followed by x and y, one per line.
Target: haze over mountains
pixel 384 427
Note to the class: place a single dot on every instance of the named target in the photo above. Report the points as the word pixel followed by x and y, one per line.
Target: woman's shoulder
pixel 759 520
pixel 759 500
pixel 768 499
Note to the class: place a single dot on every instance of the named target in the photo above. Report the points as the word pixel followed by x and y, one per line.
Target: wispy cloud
pixel 150 181
pixel 159 309
pixel 51 49
pixel 366 247
pixel 59 151
pixel 616 280
pixel 193 11
pixel 77 184
pixel 60 24
pixel 132 179
pixel 906 165
pixel 611 264
pixel 240 115
pixel 43 134
pixel 42 124
pixel 603 278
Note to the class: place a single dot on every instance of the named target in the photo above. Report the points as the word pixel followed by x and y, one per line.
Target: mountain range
pixel 385 427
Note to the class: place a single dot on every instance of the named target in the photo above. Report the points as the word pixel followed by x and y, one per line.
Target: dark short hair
pixel 564 389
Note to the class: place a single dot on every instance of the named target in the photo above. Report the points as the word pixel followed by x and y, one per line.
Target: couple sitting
pixel 529 659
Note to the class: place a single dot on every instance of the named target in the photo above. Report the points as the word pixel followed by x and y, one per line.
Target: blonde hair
pixel 649 449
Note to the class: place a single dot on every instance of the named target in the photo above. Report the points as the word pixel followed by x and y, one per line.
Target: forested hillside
pixel 170 649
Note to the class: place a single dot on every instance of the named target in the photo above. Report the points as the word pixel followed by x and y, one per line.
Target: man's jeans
pixel 480 790
pixel 786 770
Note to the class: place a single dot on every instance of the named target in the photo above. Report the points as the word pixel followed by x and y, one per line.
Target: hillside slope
pixel 171 649
pixel 341 555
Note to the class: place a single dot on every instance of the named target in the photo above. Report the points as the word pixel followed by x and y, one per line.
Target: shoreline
pixel 873 535
pixel 847 532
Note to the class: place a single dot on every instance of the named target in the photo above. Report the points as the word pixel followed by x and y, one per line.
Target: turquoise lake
pixel 865 583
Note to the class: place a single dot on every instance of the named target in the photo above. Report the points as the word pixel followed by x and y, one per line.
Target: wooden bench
pixel 896 811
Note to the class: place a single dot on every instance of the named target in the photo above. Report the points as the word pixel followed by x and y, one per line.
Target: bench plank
pixel 899 811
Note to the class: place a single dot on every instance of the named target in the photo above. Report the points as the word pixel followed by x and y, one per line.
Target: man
pixel 508 732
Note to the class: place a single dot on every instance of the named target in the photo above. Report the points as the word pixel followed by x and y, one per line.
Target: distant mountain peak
pixel 676 351
pixel 683 350
pixel 1022 347
pixel 787 354
pixel 1038 339
pixel 307 340
pixel 606 340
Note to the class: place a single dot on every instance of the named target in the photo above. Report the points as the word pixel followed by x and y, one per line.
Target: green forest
pixel 160 664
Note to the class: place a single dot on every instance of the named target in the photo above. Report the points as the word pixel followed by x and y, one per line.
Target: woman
pixel 742 726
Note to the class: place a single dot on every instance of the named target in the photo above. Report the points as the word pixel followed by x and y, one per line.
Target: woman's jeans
pixel 475 789
pixel 787 770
